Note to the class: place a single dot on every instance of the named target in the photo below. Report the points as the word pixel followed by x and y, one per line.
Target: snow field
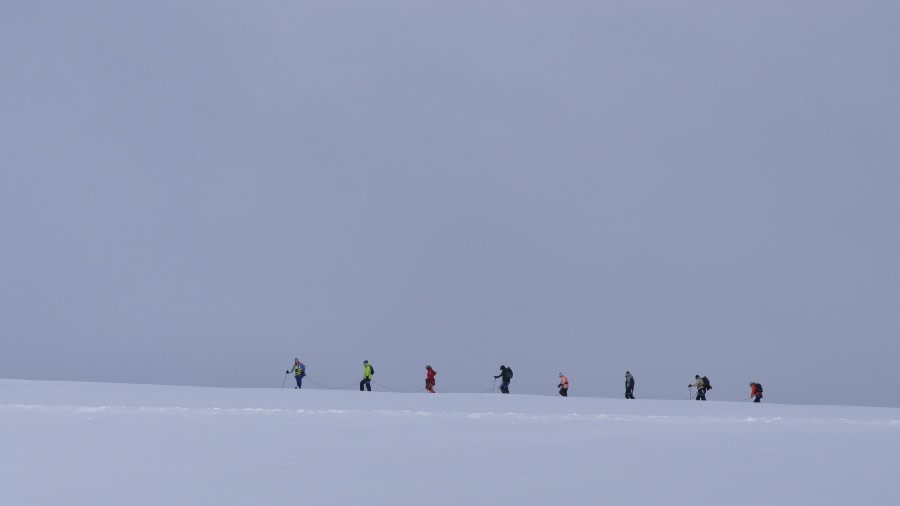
pixel 93 443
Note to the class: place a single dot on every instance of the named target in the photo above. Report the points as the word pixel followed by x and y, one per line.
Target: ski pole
pixel 494 386
pixel 285 379
pixel 690 392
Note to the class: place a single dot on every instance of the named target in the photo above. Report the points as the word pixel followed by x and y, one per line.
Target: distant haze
pixel 197 192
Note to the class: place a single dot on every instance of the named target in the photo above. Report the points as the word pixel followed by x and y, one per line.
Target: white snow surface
pixel 96 443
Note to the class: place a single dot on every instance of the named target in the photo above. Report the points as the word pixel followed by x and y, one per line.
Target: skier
pixel 429 379
pixel 700 385
pixel 299 372
pixel 629 385
pixel 756 390
pixel 368 371
pixel 506 374
pixel 563 385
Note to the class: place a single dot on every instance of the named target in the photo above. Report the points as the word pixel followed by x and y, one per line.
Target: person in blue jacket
pixel 299 372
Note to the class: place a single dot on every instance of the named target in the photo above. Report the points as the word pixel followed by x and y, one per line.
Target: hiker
pixel 701 385
pixel 629 385
pixel 368 371
pixel 506 374
pixel 563 385
pixel 429 379
pixel 756 391
pixel 299 372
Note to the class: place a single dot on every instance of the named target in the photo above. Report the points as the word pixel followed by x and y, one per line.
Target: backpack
pixel 706 384
pixel 509 370
pixel 371 370
pixel 302 370
pixel 758 388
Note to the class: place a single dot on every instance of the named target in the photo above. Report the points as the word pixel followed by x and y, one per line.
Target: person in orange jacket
pixel 563 385
pixel 429 379
pixel 756 391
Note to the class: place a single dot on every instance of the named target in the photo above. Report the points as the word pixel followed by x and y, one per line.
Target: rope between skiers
pixel 395 390
pixel 314 382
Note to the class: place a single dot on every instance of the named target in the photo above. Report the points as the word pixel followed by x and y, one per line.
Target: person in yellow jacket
pixel 368 371
pixel 299 372
pixel 563 385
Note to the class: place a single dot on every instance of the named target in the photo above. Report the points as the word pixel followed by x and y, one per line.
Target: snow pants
pixel 758 397
pixel 564 392
pixel 365 384
pixel 299 381
pixel 629 393
pixel 701 394
pixel 504 387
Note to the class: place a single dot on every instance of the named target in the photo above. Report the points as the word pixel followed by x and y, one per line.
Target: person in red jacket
pixel 756 391
pixel 429 379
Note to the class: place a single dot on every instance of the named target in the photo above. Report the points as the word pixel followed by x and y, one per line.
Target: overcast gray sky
pixel 196 192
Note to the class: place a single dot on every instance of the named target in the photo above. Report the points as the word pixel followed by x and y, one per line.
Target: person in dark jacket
pixel 629 385
pixel 563 385
pixel 700 385
pixel 505 375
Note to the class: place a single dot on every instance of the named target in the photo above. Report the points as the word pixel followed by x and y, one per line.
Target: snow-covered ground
pixel 95 444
